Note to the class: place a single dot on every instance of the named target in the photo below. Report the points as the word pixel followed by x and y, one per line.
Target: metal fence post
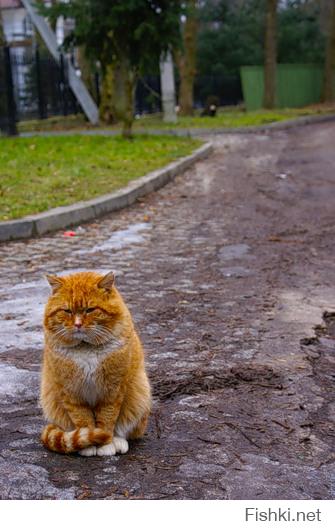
pixel 42 110
pixel 11 107
pixel 97 88
pixel 63 84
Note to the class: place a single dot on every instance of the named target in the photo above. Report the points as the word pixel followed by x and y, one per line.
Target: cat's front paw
pixel 121 445
pixel 88 451
pixel 118 445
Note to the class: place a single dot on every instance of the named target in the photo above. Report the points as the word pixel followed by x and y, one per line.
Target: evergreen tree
pixel 231 34
pixel 126 37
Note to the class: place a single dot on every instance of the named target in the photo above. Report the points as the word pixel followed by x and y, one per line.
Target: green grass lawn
pixel 40 173
pixel 226 117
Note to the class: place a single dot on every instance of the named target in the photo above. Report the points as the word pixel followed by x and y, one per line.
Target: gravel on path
pixel 229 273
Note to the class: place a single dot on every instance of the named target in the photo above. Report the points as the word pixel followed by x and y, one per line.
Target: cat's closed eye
pixel 67 311
pixel 90 309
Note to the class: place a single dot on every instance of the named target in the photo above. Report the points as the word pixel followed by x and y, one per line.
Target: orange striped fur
pixel 56 439
pixel 94 389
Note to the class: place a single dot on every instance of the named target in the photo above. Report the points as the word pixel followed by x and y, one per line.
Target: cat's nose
pixel 77 322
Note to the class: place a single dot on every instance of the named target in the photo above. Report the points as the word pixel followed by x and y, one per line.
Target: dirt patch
pixel 320 351
pixel 204 381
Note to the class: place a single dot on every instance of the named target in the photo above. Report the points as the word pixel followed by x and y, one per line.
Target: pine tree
pixel 125 36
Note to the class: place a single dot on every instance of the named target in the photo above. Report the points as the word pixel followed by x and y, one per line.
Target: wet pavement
pixel 229 273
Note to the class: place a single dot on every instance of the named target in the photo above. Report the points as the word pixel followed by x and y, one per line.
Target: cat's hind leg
pixel 122 432
pixel 139 430
pixel 132 421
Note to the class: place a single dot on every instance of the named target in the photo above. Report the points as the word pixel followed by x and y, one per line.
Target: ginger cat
pixel 94 389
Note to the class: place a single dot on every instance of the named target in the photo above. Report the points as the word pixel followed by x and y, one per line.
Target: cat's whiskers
pixel 60 333
pixel 100 336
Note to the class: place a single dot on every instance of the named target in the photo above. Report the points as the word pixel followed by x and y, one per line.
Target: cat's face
pixel 83 307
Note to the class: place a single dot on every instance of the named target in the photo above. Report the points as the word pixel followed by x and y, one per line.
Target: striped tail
pixel 55 439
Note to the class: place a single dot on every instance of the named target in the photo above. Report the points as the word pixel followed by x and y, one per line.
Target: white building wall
pixel 15 24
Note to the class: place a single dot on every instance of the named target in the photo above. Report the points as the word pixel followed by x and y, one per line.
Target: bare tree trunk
pixel 186 60
pixel 107 93
pixel 117 95
pixel 123 97
pixel 325 14
pixel 270 55
pixel 329 68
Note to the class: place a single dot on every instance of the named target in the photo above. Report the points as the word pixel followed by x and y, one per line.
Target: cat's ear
pixel 54 281
pixel 107 281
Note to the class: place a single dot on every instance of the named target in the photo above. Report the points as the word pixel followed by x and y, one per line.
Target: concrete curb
pixel 80 212
pixel 196 131
pixel 215 131
pixel 279 125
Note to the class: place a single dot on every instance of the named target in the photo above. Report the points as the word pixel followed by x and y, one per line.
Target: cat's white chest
pixel 87 359
pixel 88 365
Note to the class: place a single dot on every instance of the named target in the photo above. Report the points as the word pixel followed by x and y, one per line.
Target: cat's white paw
pixel 88 451
pixel 106 450
pixel 118 445
pixel 121 445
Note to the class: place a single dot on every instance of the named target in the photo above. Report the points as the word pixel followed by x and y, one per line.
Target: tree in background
pixel 325 13
pixel 231 35
pixel 328 88
pixel 270 54
pixel 186 56
pixel 300 38
pixel 126 37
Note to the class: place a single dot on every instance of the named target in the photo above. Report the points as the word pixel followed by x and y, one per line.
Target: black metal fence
pixel 148 95
pixel 32 86
pixel 227 89
pixel 7 102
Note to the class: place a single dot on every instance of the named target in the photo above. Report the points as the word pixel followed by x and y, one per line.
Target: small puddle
pixel 121 239
pixel 235 272
pixel 234 251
